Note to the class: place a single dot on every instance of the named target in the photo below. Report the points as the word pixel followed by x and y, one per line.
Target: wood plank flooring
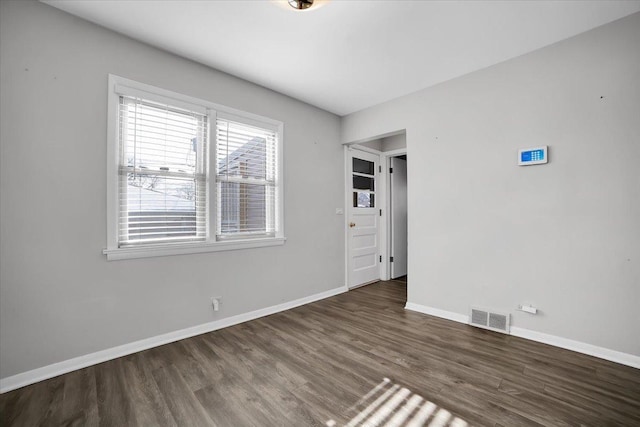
pixel 354 359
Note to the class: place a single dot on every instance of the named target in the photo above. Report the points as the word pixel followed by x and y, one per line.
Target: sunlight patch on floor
pixel 391 405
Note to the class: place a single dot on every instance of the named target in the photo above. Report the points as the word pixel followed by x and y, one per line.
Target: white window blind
pixel 162 173
pixel 245 179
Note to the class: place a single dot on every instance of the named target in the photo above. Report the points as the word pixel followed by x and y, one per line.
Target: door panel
pixel 363 217
pixel 398 217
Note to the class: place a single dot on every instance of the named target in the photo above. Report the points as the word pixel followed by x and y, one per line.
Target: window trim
pixel 116 86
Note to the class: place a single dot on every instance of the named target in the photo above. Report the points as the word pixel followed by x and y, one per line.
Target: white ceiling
pixel 346 55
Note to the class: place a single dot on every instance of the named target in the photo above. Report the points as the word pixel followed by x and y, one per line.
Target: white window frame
pixel 258 124
pixel 120 85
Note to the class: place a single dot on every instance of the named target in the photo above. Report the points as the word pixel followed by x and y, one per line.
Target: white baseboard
pixel 577 346
pixel 449 315
pixel 53 370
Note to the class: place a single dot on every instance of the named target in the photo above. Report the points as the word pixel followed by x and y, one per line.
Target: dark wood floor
pixel 355 359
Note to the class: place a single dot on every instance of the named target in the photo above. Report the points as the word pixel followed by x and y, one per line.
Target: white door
pixel 363 216
pixel 398 217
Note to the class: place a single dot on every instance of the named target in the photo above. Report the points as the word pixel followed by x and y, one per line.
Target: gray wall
pixel 59 297
pixel 388 143
pixel 564 236
pixel 395 142
pixel 376 144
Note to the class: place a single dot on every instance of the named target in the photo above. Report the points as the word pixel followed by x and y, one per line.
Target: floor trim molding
pixel 578 346
pixel 449 315
pixel 39 374
pixel 556 341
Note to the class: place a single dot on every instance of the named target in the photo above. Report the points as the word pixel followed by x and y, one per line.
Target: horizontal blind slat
pixel 162 183
pixel 245 176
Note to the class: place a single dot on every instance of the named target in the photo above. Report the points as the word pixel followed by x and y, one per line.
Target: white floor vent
pixel 489 319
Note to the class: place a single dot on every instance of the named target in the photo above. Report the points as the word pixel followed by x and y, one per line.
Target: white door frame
pixel 383 182
pixel 386 229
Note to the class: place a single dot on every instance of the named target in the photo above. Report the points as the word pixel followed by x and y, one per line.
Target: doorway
pixel 376 210
pixel 398 236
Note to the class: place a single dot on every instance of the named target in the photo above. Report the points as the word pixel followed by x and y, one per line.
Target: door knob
pixel 352 224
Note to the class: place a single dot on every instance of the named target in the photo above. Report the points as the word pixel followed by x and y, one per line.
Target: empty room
pixel 319 213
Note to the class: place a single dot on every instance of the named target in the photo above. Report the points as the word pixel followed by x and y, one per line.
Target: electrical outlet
pixel 215 302
pixel 528 309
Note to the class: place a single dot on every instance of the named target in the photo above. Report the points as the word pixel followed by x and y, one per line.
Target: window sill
pixel 189 248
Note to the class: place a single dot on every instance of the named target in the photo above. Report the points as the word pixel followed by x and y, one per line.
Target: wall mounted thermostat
pixel 533 156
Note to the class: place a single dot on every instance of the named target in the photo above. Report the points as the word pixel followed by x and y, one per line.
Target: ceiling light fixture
pixel 301 4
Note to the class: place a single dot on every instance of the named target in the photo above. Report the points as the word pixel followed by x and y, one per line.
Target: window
pixel 246 179
pixel 364 181
pixel 162 173
pixel 186 175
